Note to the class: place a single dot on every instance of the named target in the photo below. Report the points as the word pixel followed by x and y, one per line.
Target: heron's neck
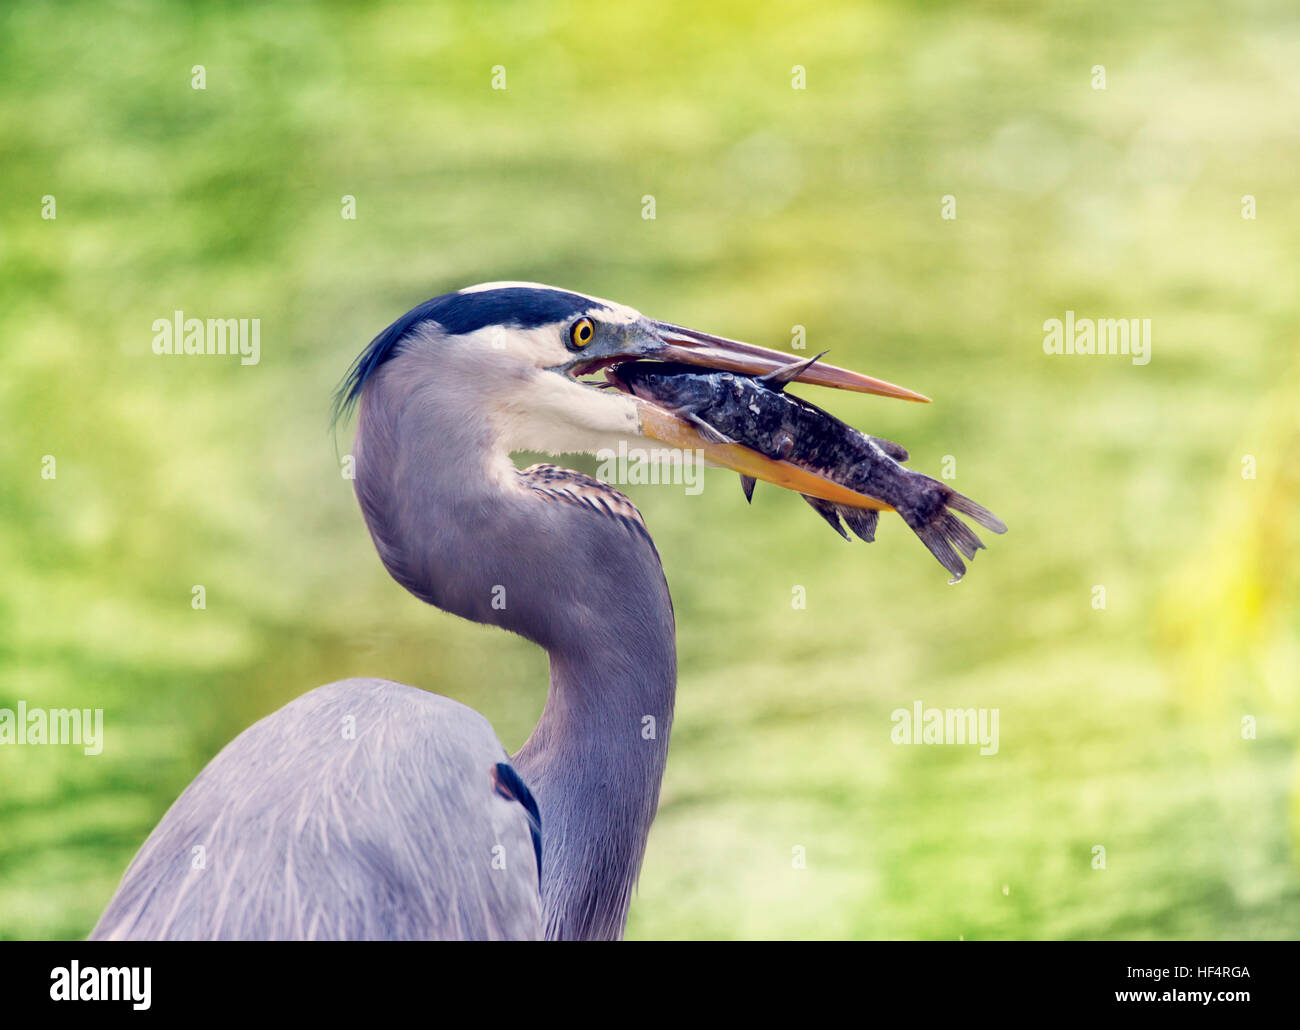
pixel 595 762
pixel 460 528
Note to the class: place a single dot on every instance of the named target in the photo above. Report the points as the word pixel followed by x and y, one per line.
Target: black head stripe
pixel 515 307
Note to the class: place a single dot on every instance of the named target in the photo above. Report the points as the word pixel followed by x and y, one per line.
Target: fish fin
pixel 747 484
pixel 829 511
pixel 779 377
pixel 691 413
pixel 707 433
pixel 861 520
pixel 963 504
pixel 895 450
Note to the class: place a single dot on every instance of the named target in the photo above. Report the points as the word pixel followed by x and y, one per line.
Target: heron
pixel 369 809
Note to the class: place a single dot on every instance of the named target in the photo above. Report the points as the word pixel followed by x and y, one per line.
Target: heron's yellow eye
pixel 581 332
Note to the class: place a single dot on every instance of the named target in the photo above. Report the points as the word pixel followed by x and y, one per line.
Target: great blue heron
pixel 369 809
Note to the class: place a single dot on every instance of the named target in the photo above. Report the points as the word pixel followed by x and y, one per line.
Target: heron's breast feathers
pixel 552 483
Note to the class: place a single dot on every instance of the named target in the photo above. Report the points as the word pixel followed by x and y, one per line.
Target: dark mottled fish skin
pixel 763 417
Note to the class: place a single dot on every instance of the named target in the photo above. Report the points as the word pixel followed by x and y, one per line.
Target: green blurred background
pixel 775 207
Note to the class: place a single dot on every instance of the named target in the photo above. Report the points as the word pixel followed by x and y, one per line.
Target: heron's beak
pixel 686 346
pixel 689 347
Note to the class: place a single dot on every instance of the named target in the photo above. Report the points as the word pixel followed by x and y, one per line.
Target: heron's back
pixel 363 810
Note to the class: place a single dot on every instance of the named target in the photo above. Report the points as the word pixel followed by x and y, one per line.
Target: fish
pixel 756 412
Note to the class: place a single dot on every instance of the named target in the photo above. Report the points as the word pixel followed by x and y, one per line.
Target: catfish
pixel 756 412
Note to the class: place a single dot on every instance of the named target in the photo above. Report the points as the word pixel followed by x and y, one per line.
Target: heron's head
pixel 538 368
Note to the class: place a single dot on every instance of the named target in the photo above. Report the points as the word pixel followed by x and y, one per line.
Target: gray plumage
pixel 288 833
pixel 308 834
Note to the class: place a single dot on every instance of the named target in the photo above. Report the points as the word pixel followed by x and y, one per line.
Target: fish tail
pixel 963 504
pixel 934 535
pixel 946 535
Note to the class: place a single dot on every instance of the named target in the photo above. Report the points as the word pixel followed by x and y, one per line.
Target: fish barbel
pixel 726 407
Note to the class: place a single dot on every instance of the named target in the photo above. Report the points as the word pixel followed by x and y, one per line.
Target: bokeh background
pixel 820 207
